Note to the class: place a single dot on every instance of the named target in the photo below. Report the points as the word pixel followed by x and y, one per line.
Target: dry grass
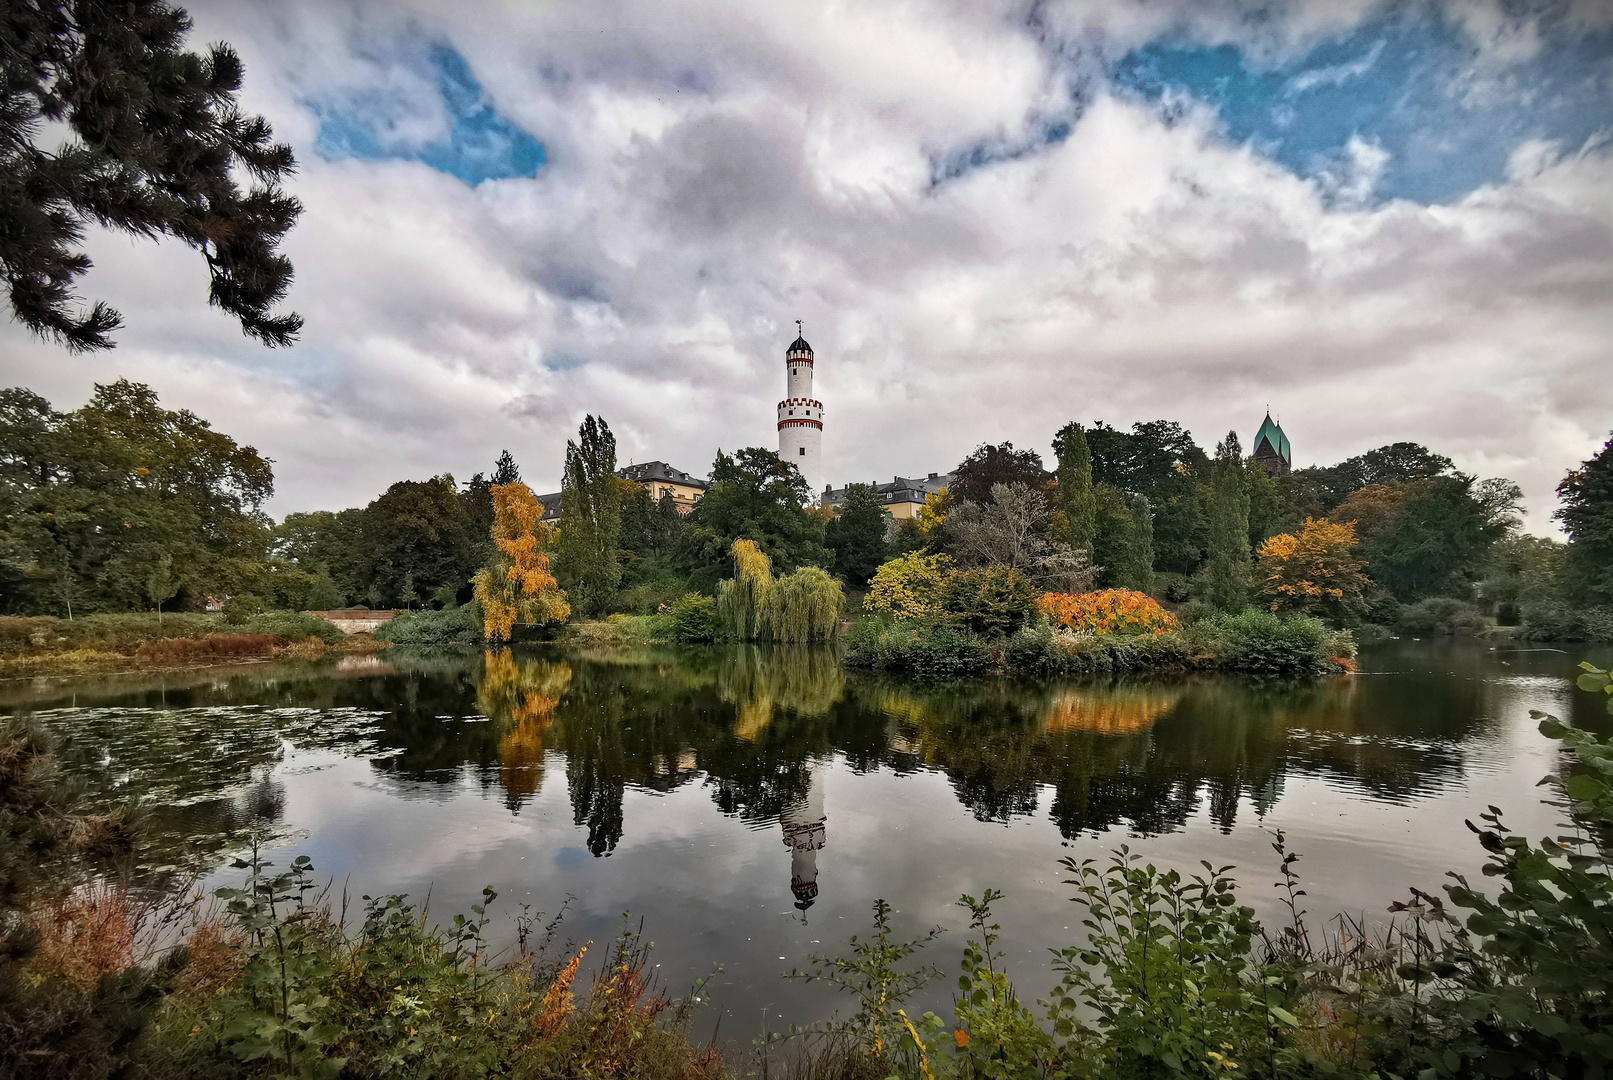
pixel 184 651
pixel 79 938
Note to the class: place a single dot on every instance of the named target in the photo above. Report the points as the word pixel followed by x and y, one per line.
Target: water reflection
pixel 758 728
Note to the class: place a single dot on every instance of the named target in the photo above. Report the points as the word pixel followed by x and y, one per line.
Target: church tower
pixel 800 415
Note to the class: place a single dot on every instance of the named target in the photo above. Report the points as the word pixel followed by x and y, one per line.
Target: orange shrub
pixel 1108 611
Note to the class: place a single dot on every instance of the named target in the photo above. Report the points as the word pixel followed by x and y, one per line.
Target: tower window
pixel 803 451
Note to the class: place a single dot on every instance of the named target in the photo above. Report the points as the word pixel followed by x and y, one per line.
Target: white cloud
pixel 714 175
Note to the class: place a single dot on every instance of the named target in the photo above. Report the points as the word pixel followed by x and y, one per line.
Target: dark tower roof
pixel 799 345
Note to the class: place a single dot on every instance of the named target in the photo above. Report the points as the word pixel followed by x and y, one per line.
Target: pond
pixel 750 805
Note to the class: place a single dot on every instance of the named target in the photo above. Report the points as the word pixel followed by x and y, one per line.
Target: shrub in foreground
pixel 450 626
pixel 689 619
pixel 927 646
pixel 1107 611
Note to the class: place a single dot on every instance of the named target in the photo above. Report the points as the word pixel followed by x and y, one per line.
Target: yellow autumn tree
pixel 1314 570
pixel 517 585
pixel 909 586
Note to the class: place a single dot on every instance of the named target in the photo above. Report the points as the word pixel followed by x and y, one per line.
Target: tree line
pixel 125 505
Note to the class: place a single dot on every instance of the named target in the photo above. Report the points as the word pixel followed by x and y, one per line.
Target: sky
pixel 1383 221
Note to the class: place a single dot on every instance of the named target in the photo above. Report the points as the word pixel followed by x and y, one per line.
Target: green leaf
pixel 1585 788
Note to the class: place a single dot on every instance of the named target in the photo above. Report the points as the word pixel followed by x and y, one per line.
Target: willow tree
pixel 517 585
pixel 801 607
pixel 590 517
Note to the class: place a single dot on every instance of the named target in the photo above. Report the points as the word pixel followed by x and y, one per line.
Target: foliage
pixel 804 606
pixel 1250 642
pixel 590 518
pixel 857 535
pixel 332 544
pixel 756 496
pixel 1265 505
pixel 1075 486
pixel 95 502
pixel 650 528
pixel 977 476
pixel 1587 515
pixel 1263 643
pixel 517 585
pixel 1227 568
pixel 1562 622
pixel 415 542
pixel 992 602
pixel 155 144
pixel 1004 531
pixel 1315 571
pixel 909 586
pixel 1125 539
pixel 1160 460
pixel 293 626
pixel 450 626
pixel 691 618
pixel 1522 570
pixel 1440 615
pixel 1436 541
pixel 921 646
pixel 1110 611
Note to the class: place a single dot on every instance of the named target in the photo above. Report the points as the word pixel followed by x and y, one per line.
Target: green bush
pixel 922 646
pixel 293 626
pixel 450 626
pixel 993 603
pixel 1264 643
pixel 1560 622
pixel 689 619
pixel 1440 616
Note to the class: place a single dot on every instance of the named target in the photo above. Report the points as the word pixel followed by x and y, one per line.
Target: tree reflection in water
pixel 520 698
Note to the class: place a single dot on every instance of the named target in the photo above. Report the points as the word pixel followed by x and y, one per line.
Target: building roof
pixel 649 471
pixel 1271 432
pixel 799 345
pixel 900 489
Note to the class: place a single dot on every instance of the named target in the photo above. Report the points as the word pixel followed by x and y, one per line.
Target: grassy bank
pixel 1251 642
pixel 46 645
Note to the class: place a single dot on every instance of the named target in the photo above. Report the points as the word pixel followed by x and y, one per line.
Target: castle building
pixel 657 477
pixel 903 497
pixel 1271 450
pixel 800 415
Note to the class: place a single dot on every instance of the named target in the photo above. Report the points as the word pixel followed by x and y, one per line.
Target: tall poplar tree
pixel 1227 566
pixel 1141 570
pixel 1075 486
pixel 590 518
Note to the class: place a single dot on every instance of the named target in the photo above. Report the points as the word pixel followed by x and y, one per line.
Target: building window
pixel 803 451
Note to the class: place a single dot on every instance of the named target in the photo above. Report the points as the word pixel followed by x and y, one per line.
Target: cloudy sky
pixel 1386 221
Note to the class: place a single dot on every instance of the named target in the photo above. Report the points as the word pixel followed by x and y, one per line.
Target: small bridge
pixel 357 620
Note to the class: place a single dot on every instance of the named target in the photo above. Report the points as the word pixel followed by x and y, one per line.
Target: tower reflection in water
pixel 804 835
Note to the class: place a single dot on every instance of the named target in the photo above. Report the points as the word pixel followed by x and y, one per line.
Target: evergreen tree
pixel 590 518
pixel 857 536
pixel 1227 566
pixel 1112 535
pixel 1265 505
pixel 1587 515
pixel 1141 568
pixel 154 143
pixel 1075 487
pixel 505 471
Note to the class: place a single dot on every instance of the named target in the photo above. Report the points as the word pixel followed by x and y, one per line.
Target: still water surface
pixel 750 805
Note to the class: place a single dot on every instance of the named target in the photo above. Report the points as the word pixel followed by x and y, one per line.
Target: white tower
pixel 800 415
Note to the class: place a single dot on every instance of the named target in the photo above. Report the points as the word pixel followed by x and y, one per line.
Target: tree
pixel 1437 542
pixel 1587 516
pixel 650 528
pixel 505 470
pixel 1075 486
pixel 979 473
pixel 756 496
pixel 1315 571
pixel 857 535
pixel 329 544
pixel 1227 567
pixel 517 587
pixel 1265 505
pixel 803 606
pixel 909 586
pixel 91 501
pixel 156 142
pixel 590 518
pixel 1141 571
pixel 1004 532
pixel 415 543
pixel 1159 459
pixel 1124 544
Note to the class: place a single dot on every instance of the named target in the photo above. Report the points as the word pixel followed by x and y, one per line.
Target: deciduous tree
pixel 1315 570
pixel 517 586
pixel 754 495
pixel 988 466
pixel 1587 515
pixel 857 535
pixel 590 518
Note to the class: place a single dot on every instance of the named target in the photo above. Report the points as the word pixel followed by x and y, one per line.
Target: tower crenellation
pixel 800 415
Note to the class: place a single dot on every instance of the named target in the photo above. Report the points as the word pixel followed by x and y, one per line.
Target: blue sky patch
pixel 479 144
pixel 1408 86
